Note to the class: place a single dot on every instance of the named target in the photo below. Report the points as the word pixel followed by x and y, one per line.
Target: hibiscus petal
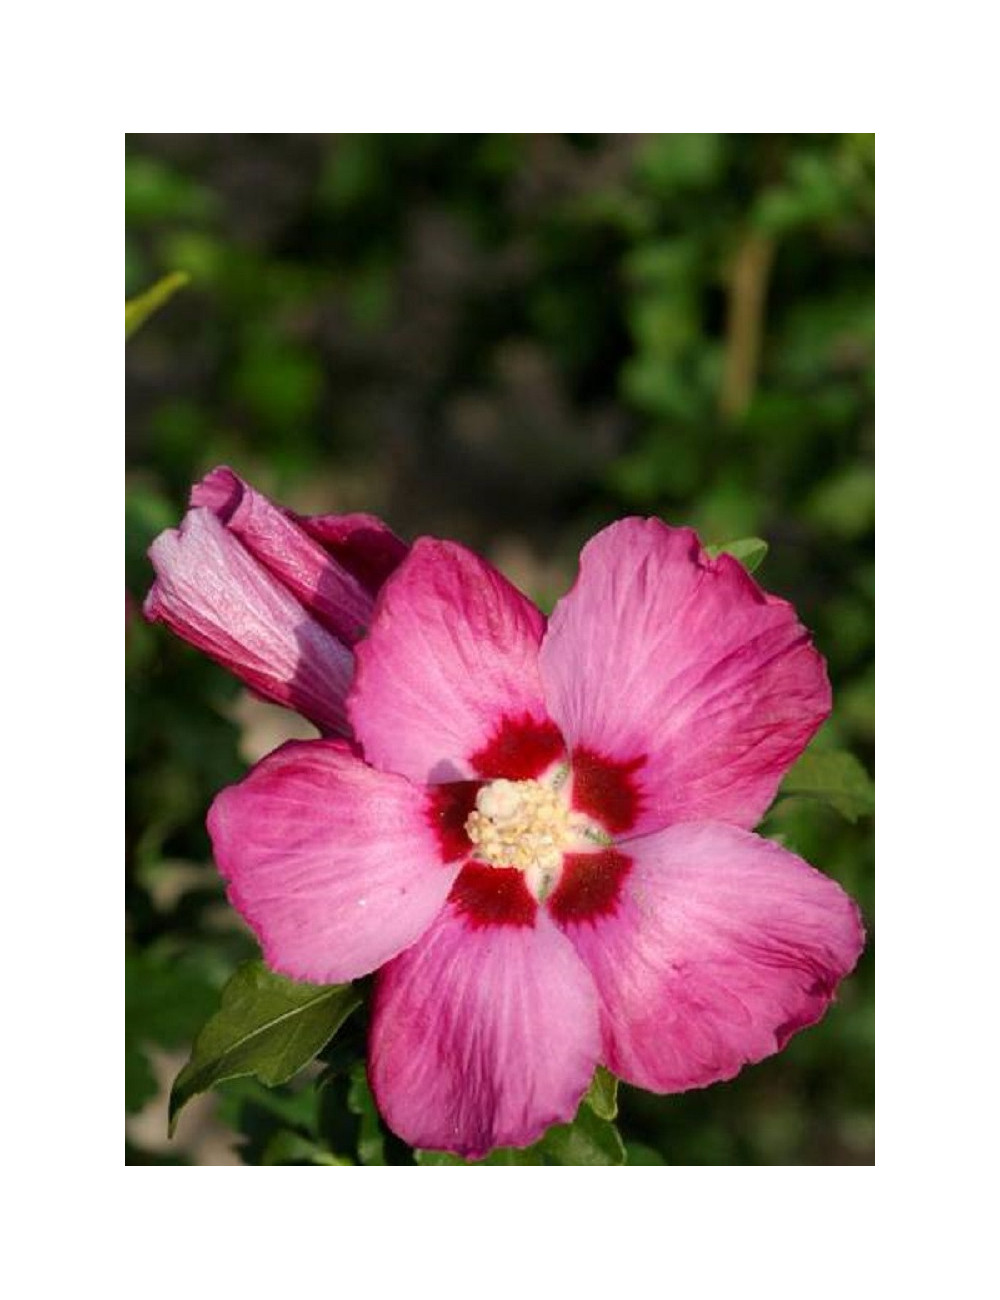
pixel 448 673
pixel 678 671
pixel 718 947
pixel 277 541
pixel 362 544
pixel 482 1034
pixel 335 867
pixel 211 592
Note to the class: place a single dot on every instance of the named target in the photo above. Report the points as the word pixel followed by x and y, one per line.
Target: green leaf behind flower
pixel 750 551
pixel 286 1147
pixel 166 999
pixel 267 1026
pixel 502 1156
pixel 360 1102
pixel 640 1154
pixel 589 1140
pixel 835 778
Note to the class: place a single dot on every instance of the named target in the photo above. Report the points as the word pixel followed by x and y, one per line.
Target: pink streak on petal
pixel 211 592
pixel 333 596
pixel 722 946
pixel 452 652
pixel 482 1037
pixel 334 866
pixel 660 653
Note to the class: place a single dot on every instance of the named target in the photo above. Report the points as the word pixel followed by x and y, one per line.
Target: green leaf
pixel 138 309
pixel 835 778
pixel 360 1102
pixel 514 1156
pixel 166 999
pixel 640 1154
pixel 845 503
pixel 147 513
pixel 287 1147
pixel 267 1026
pixel 750 551
pixel 140 1082
pixel 602 1095
pixel 589 1140
pixel 502 1156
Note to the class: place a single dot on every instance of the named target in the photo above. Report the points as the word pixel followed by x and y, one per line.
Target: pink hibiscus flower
pixel 539 835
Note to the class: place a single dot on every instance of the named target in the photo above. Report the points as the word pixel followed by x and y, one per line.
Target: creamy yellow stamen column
pixel 527 825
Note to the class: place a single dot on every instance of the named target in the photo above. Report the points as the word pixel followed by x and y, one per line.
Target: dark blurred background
pixel 508 340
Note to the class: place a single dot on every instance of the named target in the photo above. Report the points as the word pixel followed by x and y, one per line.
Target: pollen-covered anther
pixel 522 824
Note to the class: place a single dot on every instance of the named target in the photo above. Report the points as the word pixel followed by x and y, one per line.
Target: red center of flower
pixel 538 830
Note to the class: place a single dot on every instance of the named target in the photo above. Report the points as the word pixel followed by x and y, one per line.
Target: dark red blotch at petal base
pixel 448 808
pixel 589 887
pixel 493 896
pixel 520 749
pixel 606 789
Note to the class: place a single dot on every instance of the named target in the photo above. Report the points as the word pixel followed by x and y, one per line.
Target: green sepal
pixel 750 551
pixel 602 1095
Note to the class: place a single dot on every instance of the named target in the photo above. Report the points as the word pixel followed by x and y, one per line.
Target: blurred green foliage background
pixel 508 340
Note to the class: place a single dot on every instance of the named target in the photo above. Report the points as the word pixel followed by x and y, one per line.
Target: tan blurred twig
pixel 747 297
